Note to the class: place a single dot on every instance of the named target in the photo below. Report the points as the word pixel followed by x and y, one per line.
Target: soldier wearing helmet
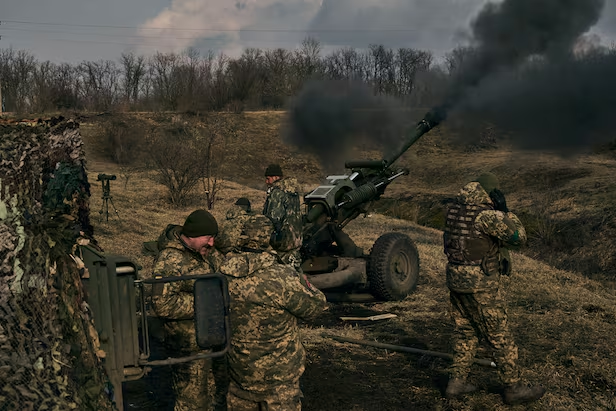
pixel 266 359
pixel 478 231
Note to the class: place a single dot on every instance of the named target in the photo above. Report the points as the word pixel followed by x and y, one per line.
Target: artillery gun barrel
pixel 431 120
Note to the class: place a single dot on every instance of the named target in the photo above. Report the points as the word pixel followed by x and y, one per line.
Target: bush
pixel 121 141
pixel 188 152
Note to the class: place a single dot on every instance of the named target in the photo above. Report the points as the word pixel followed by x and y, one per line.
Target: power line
pixel 146 44
pixel 99 34
pixel 307 30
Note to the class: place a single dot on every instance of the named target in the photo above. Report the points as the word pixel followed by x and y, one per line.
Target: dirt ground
pixel 564 322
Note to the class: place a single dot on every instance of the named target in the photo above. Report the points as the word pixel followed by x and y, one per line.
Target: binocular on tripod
pixel 105 179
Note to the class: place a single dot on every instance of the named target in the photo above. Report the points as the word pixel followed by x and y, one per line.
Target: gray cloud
pixel 436 25
pixel 431 25
pixel 65 43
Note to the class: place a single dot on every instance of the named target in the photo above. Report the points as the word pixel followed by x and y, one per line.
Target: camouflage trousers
pixel 482 315
pixel 282 398
pixel 190 379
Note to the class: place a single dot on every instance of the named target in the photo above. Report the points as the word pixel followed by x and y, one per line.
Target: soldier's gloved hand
pixel 498 198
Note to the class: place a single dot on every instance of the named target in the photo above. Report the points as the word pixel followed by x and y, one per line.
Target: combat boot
pixel 457 387
pixel 520 393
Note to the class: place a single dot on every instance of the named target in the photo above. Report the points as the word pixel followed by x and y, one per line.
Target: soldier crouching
pixel 267 358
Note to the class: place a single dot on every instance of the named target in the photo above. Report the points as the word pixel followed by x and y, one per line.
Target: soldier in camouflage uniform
pixel 244 204
pixel 267 358
pixel 283 208
pixel 479 229
pixel 188 250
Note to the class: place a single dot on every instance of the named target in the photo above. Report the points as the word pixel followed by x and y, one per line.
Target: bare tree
pixel 410 62
pixel 219 92
pixel 456 58
pixel 16 70
pixel 307 62
pixel 383 69
pixel 65 87
pixel 165 81
pixel 100 83
pixel 134 71
pixel 244 74
pixel 345 63
pixel 276 77
pixel 42 92
pixel 214 135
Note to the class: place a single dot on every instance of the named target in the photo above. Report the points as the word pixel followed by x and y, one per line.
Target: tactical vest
pixel 464 244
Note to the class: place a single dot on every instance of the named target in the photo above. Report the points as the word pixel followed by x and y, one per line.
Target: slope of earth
pixel 564 323
pixel 568 204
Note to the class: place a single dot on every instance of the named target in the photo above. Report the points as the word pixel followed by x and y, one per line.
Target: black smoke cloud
pixel 506 34
pixel 567 105
pixel 521 74
pixel 525 78
pixel 330 118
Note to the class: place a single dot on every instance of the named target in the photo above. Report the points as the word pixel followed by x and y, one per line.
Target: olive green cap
pixel 200 223
pixel 273 170
pixel 488 181
pixel 244 203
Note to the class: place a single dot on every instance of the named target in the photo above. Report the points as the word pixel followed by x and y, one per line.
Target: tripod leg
pixel 115 209
pixel 102 211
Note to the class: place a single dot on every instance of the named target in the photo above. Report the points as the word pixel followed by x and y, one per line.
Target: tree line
pixel 258 79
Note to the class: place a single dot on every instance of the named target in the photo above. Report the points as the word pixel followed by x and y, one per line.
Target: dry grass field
pixel 564 319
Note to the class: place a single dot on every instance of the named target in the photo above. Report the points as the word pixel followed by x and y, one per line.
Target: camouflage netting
pixel 49 354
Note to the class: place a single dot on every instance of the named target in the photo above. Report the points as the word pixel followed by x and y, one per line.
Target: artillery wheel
pixel 393 267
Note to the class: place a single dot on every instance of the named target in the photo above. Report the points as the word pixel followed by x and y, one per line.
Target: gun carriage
pixel 331 259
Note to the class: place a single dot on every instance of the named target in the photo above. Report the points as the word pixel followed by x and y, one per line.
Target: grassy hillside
pixel 564 323
pixel 567 204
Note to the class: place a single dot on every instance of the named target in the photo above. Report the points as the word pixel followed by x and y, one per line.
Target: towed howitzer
pixel 344 197
pixel 331 259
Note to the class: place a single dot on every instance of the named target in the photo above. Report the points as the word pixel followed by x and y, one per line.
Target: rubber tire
pixel 389 253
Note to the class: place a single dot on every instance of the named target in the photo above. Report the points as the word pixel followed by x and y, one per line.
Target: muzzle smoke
pixel 519 73
pixel 330 118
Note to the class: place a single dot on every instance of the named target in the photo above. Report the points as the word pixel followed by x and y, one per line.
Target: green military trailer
pixel 116 296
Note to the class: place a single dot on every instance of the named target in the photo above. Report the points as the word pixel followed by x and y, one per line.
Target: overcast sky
pixel 76 30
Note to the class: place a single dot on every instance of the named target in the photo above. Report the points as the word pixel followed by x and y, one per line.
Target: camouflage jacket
pixel 505 229
pixel 175 259
pixel 266 300
pixel 283 207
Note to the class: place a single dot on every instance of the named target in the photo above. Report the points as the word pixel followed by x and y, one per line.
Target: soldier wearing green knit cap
pixel 283 207
pixel 188 250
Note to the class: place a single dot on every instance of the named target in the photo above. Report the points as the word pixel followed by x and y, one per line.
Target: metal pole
pixel 400 348
pixel 0 95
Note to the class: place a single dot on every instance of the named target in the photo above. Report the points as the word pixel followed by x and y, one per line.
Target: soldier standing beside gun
pixel 478 229
pixel 267 357
pixel 282 207
pixel 188 250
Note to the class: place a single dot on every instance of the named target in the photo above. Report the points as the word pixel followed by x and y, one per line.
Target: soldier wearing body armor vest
pixel 188 250
pixel 478 232
pixel 282 206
